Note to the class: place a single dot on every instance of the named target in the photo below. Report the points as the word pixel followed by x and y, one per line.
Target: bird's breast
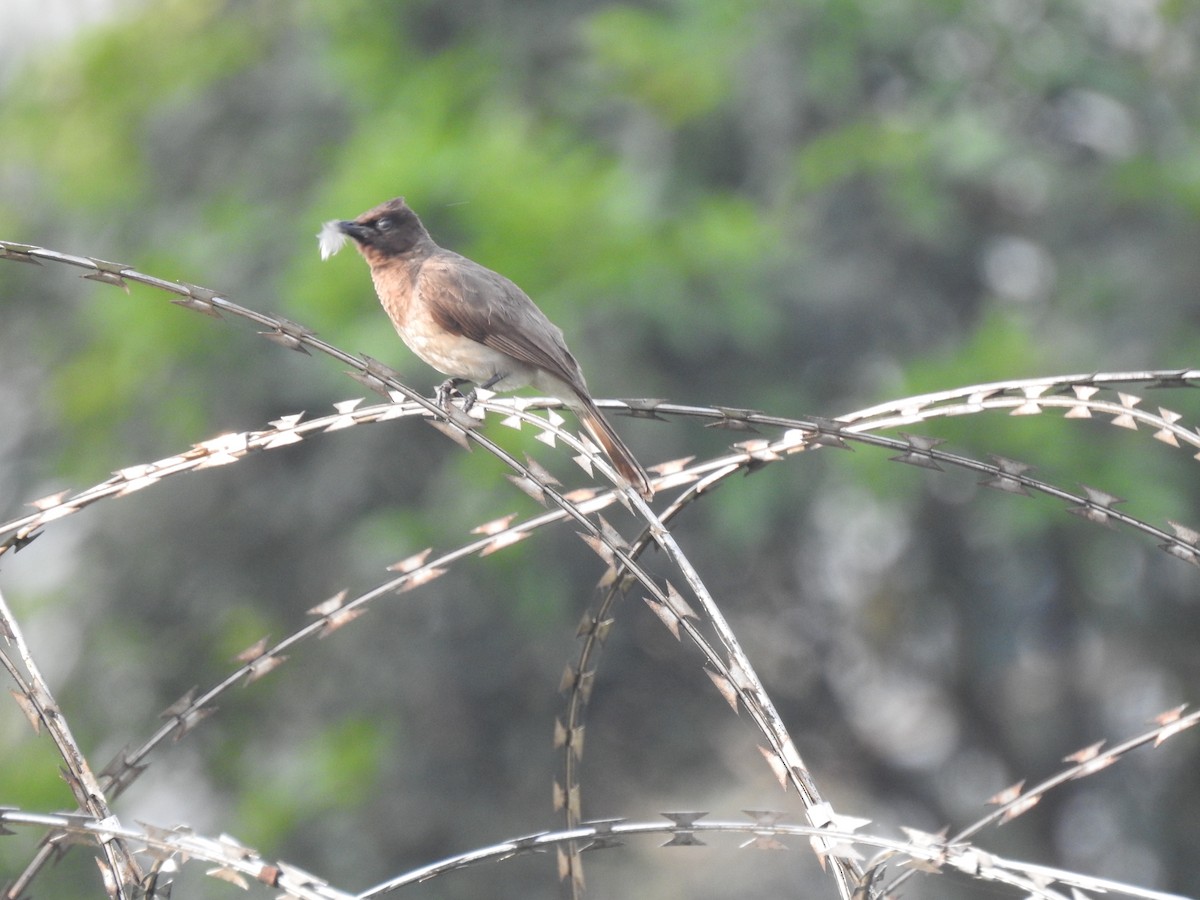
pixel 451 354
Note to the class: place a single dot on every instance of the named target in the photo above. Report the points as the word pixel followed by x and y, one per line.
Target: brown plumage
pixel 474 324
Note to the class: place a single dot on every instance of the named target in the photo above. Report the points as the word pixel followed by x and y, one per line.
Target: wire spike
pixel 918 452
pixel 285 422
pixel 732 425
pixel 778 767
pixel 1020 807
pixel 262 666
pixel 191 719
pixel 671 466
pixel 455 434
pixel 1177 379
pixel 336 620
pixel 643 408
pixel 333 604
pixel 540 472
pixel 495 526
pixel 505 539
pixel 29 708
pixel 570 677
pixel 924 839
pixel 410 563
pixel 830 438
pixel 254 651
pixel 1187 554
pixel 285 340
pixel 179 706
pixel 1184 533
pixel 763 841
pixel 614 537
pixel 666 615
pixel 1097 508
pixel 528 486
pixel 419 578
pixel 112 278
pixel 767 818
pixel 1009 794
pixel 587 680
pixel 1171 715
pixel 684 836
pixel 598 628
pixel 1008 477
pixel 581 495
pixel 47 502
pixel 598 545
pixel 734 412
pixel 19 253
pixel 1167 437
pixel 559 796
pixel 602 836
pixel 725 687
pixel 1084 755
pixel 678 605
pixel 1101 498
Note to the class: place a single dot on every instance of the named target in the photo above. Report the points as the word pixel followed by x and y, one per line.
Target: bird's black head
pixel 390 229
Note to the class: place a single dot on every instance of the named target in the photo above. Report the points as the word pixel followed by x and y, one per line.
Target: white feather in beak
pixel 331 238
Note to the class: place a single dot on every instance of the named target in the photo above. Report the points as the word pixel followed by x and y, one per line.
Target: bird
pixel 471 323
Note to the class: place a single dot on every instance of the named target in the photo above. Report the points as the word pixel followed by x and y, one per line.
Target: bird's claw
pixel 446 391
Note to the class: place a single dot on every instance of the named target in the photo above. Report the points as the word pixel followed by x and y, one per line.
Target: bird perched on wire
pixel 471 323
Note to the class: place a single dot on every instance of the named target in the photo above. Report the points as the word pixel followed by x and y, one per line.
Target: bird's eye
pixel 384 224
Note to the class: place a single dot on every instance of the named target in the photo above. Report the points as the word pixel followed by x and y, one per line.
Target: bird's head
pixel 389 230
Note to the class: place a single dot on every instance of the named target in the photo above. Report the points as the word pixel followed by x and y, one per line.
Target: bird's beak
pixel 360 233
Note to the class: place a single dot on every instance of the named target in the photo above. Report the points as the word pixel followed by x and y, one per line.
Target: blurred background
pixel 803 207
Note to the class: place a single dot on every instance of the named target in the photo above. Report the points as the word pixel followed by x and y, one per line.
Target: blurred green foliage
pixel 327 771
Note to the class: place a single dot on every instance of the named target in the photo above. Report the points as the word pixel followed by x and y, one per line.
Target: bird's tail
pixel 622 457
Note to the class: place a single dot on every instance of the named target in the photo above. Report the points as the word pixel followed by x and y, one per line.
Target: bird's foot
pixel 486 386
pixel 446 391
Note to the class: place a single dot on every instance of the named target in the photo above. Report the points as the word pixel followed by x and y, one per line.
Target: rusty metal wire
pixel 37 702
pixel 1017 799
pixel 167 849
pixel 787 760
pixel 1079 396
pixel 829 836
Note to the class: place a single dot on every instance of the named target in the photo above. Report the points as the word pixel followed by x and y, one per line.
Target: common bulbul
pixel 471 323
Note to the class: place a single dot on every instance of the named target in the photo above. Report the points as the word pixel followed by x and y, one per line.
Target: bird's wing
pixel 471 300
